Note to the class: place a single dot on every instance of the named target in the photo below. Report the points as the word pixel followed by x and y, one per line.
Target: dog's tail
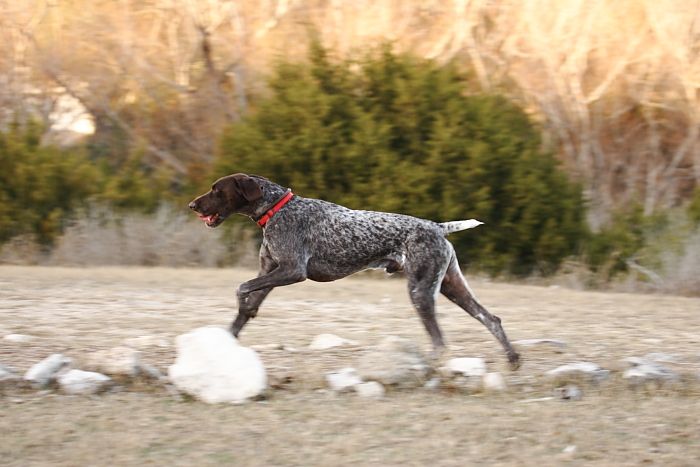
pixel 456 226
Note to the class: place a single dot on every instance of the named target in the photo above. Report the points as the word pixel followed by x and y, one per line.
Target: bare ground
pixel 76 311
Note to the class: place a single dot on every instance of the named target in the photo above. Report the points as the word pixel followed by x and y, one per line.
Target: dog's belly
pixel 326 271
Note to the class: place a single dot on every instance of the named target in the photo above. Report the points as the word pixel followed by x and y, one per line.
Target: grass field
pixel 76 311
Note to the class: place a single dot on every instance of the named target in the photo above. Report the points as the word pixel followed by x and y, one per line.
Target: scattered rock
pixel 83 382
pixel 19 338
pixel 343 380
pixel 395 361
pixel 328 341
pixel 117 361
pixel 579 370
pixel 371 389
pixel 151 372
pixel 494 382
pixel 212 366
pixel 43 373
pixel 467 366
pixel 433 383
pixel 570 449
pixel 648 371
pixel 569 393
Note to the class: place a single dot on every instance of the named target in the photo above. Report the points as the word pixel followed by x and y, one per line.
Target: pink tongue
pixel 207 218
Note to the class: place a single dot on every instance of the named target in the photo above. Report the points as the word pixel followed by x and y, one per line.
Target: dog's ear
pixel 247 187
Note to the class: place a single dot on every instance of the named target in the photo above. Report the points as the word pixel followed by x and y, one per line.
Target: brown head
pixel 233 194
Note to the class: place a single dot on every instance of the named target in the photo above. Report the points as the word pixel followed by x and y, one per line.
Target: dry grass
pixel 75 311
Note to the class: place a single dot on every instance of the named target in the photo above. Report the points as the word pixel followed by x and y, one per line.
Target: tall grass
pixel 168 237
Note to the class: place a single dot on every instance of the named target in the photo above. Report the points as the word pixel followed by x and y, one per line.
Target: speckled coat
pixel 318 240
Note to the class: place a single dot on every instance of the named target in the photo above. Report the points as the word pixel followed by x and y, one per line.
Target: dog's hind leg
pixel 424 271
pixel 454 287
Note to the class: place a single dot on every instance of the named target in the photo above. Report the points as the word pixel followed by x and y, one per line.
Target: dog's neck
pixel 271 194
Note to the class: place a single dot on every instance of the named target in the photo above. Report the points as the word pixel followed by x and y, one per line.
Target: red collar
pixel 273 210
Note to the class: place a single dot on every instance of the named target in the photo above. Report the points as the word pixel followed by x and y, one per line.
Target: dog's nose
pixel 192 205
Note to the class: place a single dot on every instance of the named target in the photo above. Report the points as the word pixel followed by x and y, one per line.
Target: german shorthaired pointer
pixel 306 238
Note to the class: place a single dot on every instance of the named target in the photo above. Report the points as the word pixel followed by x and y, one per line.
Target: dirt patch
pixel 76 311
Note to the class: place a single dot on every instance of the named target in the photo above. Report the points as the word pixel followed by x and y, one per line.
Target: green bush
pixel 396 133
pixel 39 185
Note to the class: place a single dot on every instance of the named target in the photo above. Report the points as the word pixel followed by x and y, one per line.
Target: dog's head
pixel 233 194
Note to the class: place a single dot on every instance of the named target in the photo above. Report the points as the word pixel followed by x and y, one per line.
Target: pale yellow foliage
pixel 613 82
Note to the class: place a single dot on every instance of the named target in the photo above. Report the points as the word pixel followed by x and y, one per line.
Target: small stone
pixel 117 361
pixel 647 371
pixel 370 389
pixel 394 362
pixel 78 382
pixel 467 366
pixel 151 372
pixel 343 380
pixel 19 338
pixel 494 382
pixel 570 449
pixel 43 373
pixel 569 393
pixel 433 384
pixel 586 370
pixel 328 341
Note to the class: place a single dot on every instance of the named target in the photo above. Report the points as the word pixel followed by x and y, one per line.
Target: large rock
pixel 43 373
pixel 83 382
pixel 212 366
pixel 395 361
pixel 117 361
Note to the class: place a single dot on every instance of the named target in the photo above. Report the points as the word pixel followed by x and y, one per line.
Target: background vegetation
pixel 570 128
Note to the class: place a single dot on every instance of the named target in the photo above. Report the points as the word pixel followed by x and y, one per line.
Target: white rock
pixel 570 393
pixel 83 382
pixel 18 338
pixel 212 366
pixel 117 361
pixel 494 382
pixel 467 366
pixel 395 361
pixel 587 370
pixel 328 341
pixel 643 371
pixel 433 383
pixel 343 380
pixel 42 373
pixel 370 389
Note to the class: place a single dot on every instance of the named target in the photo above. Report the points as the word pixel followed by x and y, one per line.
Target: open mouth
pixel 212 220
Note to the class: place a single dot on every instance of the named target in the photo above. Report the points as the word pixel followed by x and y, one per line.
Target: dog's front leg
pixel 253 292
